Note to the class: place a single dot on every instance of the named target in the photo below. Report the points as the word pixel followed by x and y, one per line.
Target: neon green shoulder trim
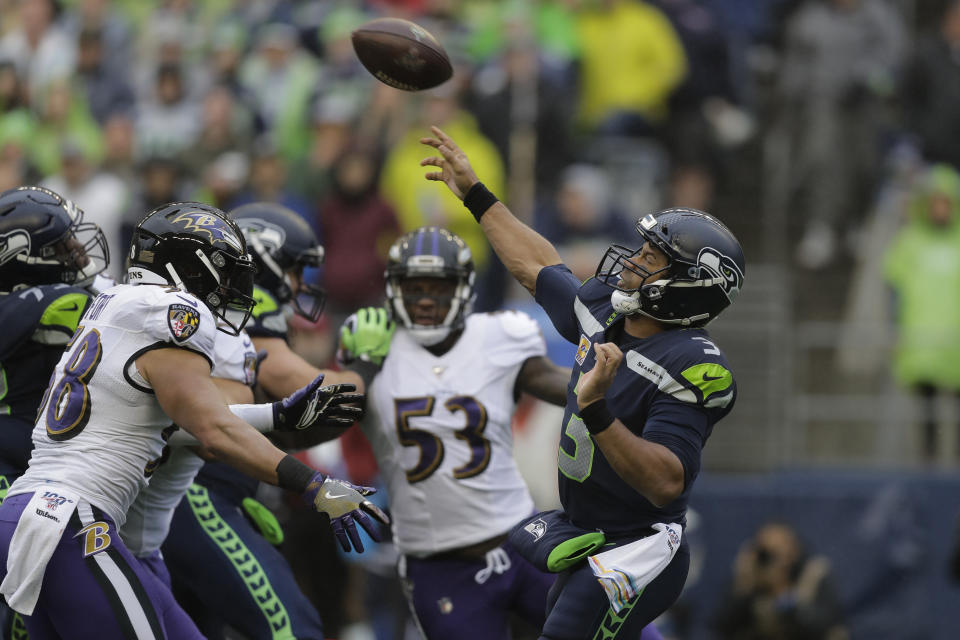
pixel 265 303
pixel 710 378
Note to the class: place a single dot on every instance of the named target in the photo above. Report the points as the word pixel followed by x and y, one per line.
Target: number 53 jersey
pixel 440 427
pixel 100 429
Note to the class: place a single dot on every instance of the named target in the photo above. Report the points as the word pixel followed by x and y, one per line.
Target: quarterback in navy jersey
pixel 647 388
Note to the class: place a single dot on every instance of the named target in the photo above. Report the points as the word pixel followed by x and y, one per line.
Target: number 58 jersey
pixel 99 426
pixel 441 431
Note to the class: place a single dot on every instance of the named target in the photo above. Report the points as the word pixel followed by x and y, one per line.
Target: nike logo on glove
pixel 332 496
pixel 707 378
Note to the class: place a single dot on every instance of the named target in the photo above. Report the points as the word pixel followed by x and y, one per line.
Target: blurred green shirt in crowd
pixel 923 267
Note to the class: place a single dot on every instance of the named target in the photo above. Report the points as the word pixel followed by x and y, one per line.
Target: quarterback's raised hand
pixel 347 507
pixel 316 405
pixel 366 336
pixel 455 170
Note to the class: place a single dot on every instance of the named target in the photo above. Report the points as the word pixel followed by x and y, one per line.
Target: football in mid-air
pixel 401 54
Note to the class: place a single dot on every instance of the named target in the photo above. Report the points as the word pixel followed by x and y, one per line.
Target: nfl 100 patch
pixel 183 321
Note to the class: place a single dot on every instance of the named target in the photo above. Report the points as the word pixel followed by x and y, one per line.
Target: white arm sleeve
pixel 259 416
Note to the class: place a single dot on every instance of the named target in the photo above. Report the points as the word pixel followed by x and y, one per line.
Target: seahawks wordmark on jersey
pixel 440 427
pixel 100 429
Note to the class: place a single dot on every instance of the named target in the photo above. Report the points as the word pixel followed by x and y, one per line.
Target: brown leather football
pixel 401 54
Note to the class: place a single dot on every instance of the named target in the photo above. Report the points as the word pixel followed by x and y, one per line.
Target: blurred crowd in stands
pixel 785 118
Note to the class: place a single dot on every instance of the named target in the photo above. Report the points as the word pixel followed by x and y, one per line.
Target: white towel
pixel 625 571
pixel 38 532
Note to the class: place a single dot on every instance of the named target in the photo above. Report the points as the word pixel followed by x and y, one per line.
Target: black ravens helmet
pixel 198 249
pixel 430 252
pixel 282 245
pixel 44 240
pixel 704 274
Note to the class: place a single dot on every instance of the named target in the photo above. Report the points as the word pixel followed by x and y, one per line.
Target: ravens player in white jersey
pixel 139 360
pixel 439 421
pixel 48 258
pixel 647 389
pixel 240 579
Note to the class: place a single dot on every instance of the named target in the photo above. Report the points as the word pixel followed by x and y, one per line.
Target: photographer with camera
pixel 779 592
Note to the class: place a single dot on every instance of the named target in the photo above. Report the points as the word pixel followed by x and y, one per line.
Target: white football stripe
pixel 589 324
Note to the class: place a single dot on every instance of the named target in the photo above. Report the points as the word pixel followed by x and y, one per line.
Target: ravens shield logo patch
pixel 183 321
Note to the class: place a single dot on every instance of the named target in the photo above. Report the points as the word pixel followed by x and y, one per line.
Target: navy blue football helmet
pixel 44 240
pixel 283 245
pixel 703 276
pixel 430 252
pixel 196 248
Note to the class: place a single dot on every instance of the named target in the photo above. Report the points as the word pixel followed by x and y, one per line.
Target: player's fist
pixel 593 384
pixel 315 405
pixel 366 336
pixel 347 506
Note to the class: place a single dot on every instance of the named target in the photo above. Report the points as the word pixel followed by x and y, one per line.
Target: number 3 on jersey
pixel 431 446
pixel 69 399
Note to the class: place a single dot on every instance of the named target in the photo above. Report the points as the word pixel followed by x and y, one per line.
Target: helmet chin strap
pixel 429 336
pixel 625 303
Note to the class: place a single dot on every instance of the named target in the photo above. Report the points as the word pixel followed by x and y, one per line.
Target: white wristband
pixel 260 416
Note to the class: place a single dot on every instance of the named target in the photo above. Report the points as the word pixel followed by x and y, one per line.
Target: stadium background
pixel 805 125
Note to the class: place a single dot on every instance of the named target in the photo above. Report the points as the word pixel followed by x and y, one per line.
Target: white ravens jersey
pixel 149 517
pixel 440 427
pixel 100 429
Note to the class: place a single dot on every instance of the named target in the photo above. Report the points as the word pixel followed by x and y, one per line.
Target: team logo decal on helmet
pixel 183 321
pixel 724 270
pixel 17 241
pixel 206 223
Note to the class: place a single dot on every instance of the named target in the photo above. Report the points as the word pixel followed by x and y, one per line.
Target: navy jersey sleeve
pixel 46 314
pixel 557 292
pixel 268 319
pixel 681 427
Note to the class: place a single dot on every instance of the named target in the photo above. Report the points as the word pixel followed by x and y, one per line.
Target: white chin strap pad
pixel 625 303
pixel 429 336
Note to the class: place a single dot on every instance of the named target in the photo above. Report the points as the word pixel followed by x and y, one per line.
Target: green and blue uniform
pixel 671 388
pixel 37 324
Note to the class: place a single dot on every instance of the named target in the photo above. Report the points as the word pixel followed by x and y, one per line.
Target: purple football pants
pixel 472 599
pixel 155 565
pixel 107 594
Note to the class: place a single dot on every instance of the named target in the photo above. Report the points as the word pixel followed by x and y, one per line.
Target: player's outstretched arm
pixel 186 392
pixel 283 371
pixel 523 251
pixel 544 380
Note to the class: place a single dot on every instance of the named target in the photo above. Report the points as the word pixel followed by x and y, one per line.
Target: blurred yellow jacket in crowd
pixel 419 202
pixel 923 267
pixel 631 60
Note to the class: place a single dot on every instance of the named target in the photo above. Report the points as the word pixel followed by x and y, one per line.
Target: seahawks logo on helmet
pixel 723 267
pixel 271 236
pixel 14 243
pixel 211 225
